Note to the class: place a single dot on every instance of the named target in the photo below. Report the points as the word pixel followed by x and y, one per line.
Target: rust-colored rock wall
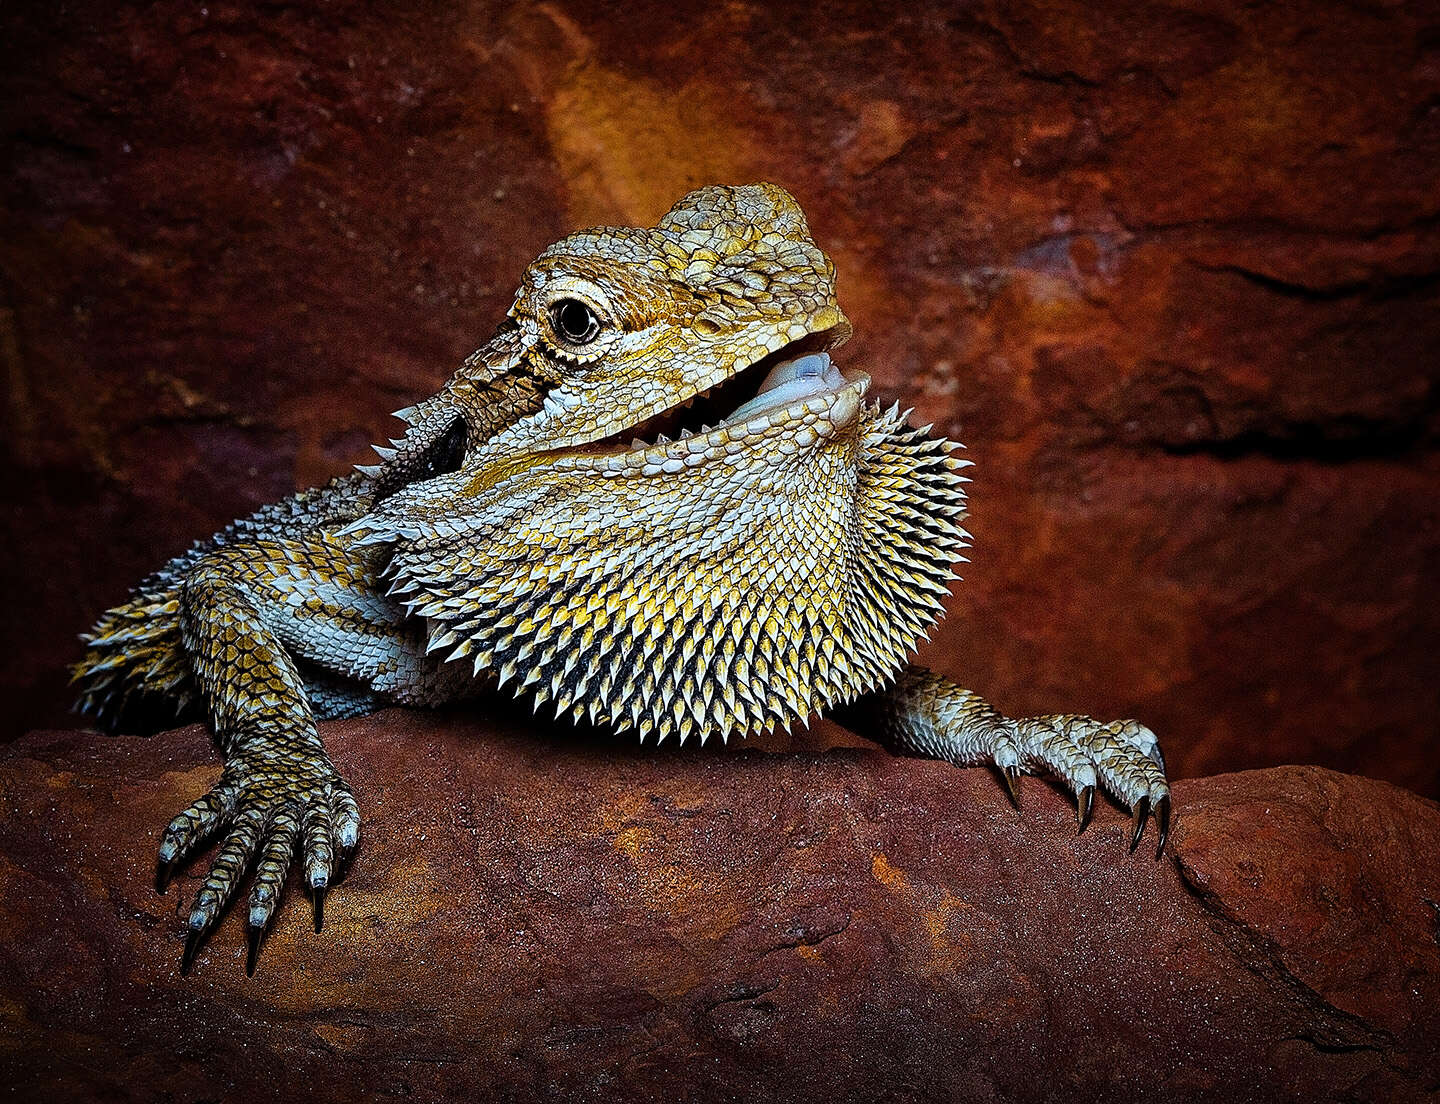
pixel 555 920
pixel 1171 271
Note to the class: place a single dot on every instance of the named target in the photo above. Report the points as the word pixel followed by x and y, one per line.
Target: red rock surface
pixel 534 916
pixel 1171 271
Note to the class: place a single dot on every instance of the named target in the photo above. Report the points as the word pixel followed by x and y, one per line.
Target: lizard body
pixel 778 558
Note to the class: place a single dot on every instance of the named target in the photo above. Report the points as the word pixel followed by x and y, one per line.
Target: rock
pixel 537 916
pixel 1169 270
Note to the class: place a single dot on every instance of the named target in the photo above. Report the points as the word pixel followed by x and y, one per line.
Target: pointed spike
pixel 383 452
pixel 252 938
pixel 371 470
pixel 1008 776
pixel 1085 804
pixel 1162 822
pixel 192 944
pixel 1141 815
pixel 359 525
pixel 164 871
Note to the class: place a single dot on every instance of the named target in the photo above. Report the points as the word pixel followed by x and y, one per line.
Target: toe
pixel 231 862
pixel 318 848
pixel 275 858
pixel 1121 757
pixel 1054 743
pixel 1125 769
pixel 346 816
pixel 183 834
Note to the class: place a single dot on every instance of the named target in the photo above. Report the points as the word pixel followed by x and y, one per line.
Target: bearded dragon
pixel 771 545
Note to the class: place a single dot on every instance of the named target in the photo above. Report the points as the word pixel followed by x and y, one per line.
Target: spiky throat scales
pixel 739 577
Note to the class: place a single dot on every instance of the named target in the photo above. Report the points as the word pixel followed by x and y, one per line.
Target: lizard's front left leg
pixel 278 790
pixel 927 715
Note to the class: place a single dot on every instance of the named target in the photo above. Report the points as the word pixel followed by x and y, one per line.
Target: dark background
pixel 1170 270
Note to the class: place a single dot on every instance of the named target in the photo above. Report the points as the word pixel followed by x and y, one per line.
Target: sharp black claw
pixel 319 892
pixel 1162 821
pixel 253 936
pixel 1009 775
pixel 192 944
pixel 164 871
pixel 1085 805
pixel 1142 814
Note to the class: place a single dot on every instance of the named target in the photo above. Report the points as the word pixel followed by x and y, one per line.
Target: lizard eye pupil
pixel 574 321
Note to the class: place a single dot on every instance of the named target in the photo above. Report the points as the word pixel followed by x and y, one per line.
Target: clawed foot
pixel 262 817
pixel 1121 757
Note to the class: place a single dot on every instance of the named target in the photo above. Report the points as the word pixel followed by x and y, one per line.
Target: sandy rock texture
pixel 1170 270
pixel 533 916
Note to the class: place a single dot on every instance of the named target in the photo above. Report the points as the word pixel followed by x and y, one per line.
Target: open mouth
pixel 800 370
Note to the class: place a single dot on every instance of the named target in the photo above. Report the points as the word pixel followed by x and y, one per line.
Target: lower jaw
pixel 721 403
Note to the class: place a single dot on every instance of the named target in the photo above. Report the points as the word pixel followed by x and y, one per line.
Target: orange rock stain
pixel 939 913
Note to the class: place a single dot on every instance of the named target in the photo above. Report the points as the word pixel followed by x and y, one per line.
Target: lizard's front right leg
pixel 927 715
pixel 278 789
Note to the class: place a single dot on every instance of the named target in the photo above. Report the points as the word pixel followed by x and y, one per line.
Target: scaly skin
pixel 778 561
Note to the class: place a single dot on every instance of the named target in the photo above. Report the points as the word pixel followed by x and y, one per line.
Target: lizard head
pixel 782 553
pixel 627 326
pixel 633 333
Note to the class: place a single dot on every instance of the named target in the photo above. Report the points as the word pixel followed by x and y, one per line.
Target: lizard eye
pixel 574 322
